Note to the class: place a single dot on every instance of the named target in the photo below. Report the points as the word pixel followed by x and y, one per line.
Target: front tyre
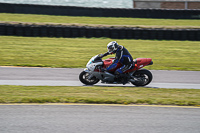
pixel 142 77
pixel 83 77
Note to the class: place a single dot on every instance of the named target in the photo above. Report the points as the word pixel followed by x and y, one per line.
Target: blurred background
pixel 84 3
pixel 155 4
pixel 66 33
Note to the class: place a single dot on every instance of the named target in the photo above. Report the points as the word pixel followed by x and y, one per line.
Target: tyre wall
pixel 99 12
pixel 88 32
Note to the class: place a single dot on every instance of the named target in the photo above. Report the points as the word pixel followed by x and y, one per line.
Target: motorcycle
pixel 94 72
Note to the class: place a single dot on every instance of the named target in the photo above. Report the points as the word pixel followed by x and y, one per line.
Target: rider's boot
pixel 124 78
pixel 121 78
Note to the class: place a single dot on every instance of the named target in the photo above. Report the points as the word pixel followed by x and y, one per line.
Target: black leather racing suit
pixel 122 56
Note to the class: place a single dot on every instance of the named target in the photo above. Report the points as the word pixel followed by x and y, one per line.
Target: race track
pixel 69 77
pixel 95 118
pixel 98 119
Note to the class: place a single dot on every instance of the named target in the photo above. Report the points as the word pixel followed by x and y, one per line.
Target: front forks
pixel 90 75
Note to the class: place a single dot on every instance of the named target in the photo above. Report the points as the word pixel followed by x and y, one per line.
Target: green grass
pixel 100 95
pixel 75 52
pixel 111 21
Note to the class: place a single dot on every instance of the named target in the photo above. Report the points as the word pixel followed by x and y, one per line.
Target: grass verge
pixel 75 52
pixel 99 95
pixel 101 21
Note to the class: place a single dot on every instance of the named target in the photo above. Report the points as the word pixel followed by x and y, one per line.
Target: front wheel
pixel 142 77
pixel 84 78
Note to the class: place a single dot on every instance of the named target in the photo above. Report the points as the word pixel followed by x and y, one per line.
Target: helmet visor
pixel 110 50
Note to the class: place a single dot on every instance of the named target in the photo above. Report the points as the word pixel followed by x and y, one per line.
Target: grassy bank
pixel 75 52
pixel 100 95
pixel 110 21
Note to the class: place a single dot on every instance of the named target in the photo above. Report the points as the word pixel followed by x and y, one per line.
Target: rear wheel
pixel 84 78
pixel 142 77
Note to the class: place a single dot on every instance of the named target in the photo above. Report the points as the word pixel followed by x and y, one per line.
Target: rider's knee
pixel 118 72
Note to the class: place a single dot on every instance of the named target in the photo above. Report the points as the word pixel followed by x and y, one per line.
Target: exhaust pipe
pixel 132 80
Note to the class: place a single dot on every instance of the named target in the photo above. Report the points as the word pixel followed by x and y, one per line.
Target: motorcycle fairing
pixel 138 63
pixel 104 76
pixel 143 61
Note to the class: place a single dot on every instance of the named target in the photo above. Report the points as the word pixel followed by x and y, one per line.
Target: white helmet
pixel 112 47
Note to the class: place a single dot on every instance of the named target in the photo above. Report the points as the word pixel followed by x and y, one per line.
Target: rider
pixel 122 56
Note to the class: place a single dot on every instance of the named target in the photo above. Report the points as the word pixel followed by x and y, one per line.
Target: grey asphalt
pixel 95 118
pixel 98 119
pixel 69 77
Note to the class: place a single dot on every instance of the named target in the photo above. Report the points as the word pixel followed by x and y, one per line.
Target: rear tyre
pixel 83 77
pixel 143 77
